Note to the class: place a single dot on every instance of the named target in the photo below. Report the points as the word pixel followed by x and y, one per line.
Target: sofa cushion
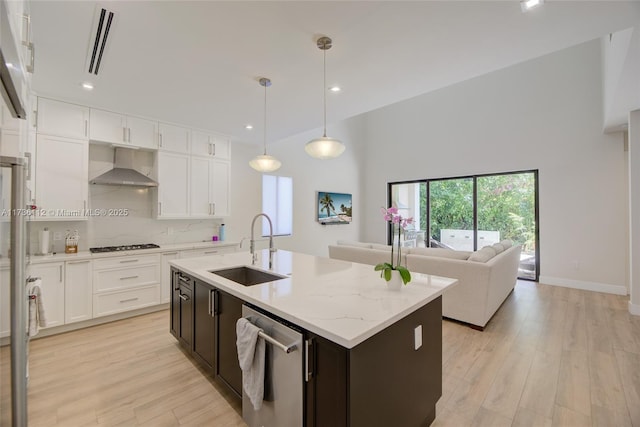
pixel 483 255
pixel 506 243
pixel 380 247
pixel 354 243
pixel 498 247
pixel 440 252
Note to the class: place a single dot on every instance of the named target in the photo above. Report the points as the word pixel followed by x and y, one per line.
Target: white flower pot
pixel 395 283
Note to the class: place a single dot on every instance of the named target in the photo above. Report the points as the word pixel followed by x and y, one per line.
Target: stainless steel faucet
pixel 252 246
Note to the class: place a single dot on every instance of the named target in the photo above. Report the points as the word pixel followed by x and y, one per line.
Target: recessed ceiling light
pixel 248 127
pixel 335 89
pixel 527 5
pixel 87 86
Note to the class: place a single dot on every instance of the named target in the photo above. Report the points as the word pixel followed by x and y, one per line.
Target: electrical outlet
pixel 57 235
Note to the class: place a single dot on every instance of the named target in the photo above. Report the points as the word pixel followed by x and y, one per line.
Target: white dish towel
pixel 37 318
pixel 251 350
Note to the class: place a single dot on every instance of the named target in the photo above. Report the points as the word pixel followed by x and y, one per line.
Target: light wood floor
pixel 550 357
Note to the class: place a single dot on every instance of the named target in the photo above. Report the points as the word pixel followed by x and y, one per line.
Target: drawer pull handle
pixel 184 297
pixel 129 300
pixel 183 279
pixel 129 260
pixel 211 252
pixel 129 277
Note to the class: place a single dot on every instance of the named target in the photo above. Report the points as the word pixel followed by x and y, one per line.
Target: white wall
pixel 341 175
pixel 543 114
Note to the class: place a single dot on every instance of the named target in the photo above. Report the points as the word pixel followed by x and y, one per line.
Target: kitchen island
pixel 372 356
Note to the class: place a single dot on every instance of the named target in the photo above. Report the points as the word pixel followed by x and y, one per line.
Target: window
pixel 468 213
pixel 277 202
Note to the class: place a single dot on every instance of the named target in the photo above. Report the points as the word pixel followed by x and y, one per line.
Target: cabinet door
pixel 5 303
pixel 173 188
pixel 201 194
pixel 229 310
pixel 175 303
pixel 201 144
pixel 78 291
pixel 186 316
pixel 174 138
pixel 326 391
pixel 52 289
pixel 220 190
pixel 204 325
pixel 62 119
pixel 165 276
pixel 220 148
pixel 62 186
pixel 142 133
pixel 108 127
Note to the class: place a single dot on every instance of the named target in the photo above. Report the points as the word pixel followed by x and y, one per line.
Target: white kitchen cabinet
pixel 174 138
pixel 165 275
pixel 221 188
pixel 125 283
pixel 114 128
pixel 173 185
pixel 201 188
pixel 194 253
pixel 62 119
pixel 52 289
pixel 62 184
pixel 5 305
pixel 205 144
pixel 78 291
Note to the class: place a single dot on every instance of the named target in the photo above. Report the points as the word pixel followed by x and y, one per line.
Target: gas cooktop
pixel 123 248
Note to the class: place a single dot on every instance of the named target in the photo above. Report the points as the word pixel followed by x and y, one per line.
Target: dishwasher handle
pixel 286 348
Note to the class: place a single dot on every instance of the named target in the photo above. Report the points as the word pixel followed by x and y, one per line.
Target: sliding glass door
pixel 469 213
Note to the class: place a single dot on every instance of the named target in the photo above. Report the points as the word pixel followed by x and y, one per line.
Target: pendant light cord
pixel 264 138
pixel 324 89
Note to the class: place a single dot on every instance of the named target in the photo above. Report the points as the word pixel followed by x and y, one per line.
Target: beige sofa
pixel 486 277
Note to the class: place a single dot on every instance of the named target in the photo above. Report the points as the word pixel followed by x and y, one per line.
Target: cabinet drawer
pixel 122 278
pixel 193 253
pixel 115 302
pixel 125 261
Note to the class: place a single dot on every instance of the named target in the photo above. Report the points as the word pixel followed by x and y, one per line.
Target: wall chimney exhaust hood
pixel 123 172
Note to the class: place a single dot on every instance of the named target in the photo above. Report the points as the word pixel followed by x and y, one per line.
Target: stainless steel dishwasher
pixel 283 390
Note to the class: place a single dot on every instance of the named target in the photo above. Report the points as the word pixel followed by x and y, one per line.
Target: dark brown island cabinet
pixel 384 381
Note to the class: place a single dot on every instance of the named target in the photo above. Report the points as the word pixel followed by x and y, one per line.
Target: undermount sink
pixel 246 276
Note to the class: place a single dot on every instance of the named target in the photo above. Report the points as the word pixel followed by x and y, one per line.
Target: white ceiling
pixel 197 63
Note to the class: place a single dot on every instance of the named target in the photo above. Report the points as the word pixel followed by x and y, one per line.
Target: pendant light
pixel 265 162
pixel 324 147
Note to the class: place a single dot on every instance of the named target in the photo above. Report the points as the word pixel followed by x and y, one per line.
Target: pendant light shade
pixel 265 162
pixel 324 147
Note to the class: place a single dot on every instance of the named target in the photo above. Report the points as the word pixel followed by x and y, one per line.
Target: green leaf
pixel 387 274
pixel 405 274
pixel 379 267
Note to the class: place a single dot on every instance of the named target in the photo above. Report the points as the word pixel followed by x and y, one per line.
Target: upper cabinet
pixel 62 119
pixel 115 128
pixel 174 138
pixel 204 144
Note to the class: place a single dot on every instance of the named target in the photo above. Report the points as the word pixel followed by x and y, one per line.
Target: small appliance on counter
pixel 71 242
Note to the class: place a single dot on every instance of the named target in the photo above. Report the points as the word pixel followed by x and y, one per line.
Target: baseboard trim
pixel 634 309
pixel 586 286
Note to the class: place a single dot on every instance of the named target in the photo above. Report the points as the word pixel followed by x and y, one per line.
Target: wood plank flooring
pixel 551 356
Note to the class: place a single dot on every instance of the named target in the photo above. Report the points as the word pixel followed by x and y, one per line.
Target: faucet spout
pixel 252 245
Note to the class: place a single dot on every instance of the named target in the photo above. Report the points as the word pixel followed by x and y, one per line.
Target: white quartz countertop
pixel 61 257
pixel 341 301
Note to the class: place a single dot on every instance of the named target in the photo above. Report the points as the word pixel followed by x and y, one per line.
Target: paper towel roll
pixel 44 241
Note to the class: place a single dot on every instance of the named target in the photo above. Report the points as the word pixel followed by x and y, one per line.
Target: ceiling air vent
pixel 104 19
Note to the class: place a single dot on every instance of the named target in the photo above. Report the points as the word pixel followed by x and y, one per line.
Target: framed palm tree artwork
pixel 334 208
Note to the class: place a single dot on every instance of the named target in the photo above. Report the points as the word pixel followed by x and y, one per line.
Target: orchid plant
pixel 392 216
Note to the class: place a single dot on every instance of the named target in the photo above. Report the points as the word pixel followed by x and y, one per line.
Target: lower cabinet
pixel 229 311
pixel 204 312
pixel 78 291
pixel 52 276
pixel 203 320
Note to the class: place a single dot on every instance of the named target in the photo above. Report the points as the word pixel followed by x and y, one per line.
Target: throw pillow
pixel 498 247
pixel 506 243
pixel 483 255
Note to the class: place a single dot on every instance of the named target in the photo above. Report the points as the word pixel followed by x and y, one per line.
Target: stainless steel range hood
pixel 123 172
